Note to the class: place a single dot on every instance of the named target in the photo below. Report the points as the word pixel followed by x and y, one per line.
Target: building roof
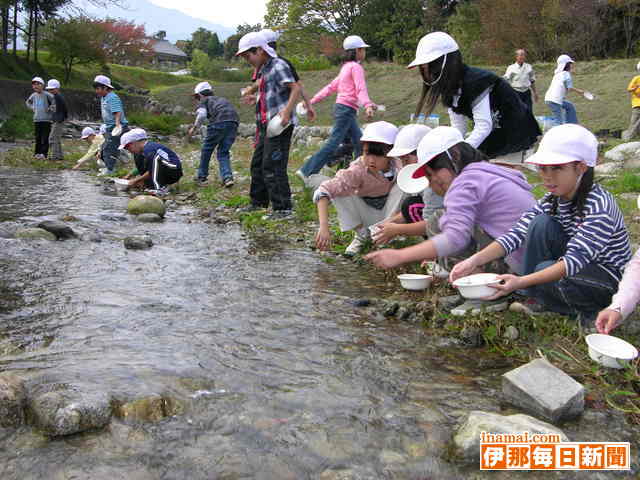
pixel 167 48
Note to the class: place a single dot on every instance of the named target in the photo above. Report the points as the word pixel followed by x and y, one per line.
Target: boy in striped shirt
pixel 575 239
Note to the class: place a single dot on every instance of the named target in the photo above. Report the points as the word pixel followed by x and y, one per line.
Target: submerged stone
pixel 146 204
pixel 12 400
pixel 467 439
pixel 543 390
pixel 149 218
pixel 59 229
pixel 35 234
pixel 141 242
pixel 69 409
pixel 152 408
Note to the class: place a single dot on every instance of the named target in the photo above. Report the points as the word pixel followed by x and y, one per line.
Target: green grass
pixel 19 124
pixel 160 123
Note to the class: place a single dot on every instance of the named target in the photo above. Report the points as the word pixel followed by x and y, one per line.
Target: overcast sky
pixel 230 13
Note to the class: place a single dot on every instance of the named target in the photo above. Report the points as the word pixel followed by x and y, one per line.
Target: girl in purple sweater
pixel 482 201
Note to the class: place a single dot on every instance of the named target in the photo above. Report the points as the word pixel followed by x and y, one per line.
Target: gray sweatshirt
pixel 43 105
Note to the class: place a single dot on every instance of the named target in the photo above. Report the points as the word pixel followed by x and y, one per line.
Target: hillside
pixel 399 89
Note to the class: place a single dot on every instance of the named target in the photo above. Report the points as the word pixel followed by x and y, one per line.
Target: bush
pixel 18 125
pixel 203 66
pixel 307 63
pixel 160 123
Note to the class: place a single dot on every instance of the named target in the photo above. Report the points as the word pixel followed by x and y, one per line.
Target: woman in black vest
pixel 503 127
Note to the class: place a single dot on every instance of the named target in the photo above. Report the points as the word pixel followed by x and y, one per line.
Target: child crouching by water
pixel 575 240
pixel 625 300
pixel 481 202
pixel 363 194
pixel 157 166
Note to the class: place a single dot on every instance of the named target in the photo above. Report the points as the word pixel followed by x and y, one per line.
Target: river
pixel 265 367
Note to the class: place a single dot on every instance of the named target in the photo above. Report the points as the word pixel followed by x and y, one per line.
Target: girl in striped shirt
pixel 576 243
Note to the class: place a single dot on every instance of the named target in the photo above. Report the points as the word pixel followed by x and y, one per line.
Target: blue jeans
pixel 221 135
pixel 570 115
pixel 110 148
pixel 345 124
pixel 588 292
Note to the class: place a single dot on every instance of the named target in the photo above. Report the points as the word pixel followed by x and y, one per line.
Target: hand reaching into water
pixel 387 258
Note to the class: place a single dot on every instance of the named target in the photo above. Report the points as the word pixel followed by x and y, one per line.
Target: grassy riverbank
pixel 557 338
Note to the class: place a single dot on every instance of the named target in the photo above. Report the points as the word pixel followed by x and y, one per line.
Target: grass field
pixel 399 89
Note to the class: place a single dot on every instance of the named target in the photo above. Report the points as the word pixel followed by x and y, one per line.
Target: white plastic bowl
pixel 477 286
pixel 275 127
pixel 121 183
pixel 415 281
pixel 612 352
pixel 589 95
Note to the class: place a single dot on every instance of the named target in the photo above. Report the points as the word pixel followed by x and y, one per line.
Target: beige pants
pixel 55 141
pixel 634 125
pixel 354 212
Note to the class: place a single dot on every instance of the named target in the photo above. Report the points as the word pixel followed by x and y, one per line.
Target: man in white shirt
pixel 522 78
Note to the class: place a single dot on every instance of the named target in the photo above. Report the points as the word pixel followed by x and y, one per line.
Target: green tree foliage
pixel 465 27
pixel 231 44
pixel 206 41
pixel 74 41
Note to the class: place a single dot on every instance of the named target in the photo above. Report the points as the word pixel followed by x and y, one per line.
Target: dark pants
pixel 110 148
pixel 345 125
pixel 588 292
pixel 43 129
pixel 269 180
pixel 221 135
pixel 526 98
pixel 163 173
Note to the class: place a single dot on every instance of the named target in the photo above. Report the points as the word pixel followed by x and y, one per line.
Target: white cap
pixel 37 79
pixel 103 80
pixel 202 86
pixel 437 141
pixel 353 41
pixel 87 132
pixel 132 136
pixel 52 84
pixel 432 46
pixel 565 144
pixel 254 39
pixel 562 62
pixel 408 139
pixel 381 132
pixel 269 35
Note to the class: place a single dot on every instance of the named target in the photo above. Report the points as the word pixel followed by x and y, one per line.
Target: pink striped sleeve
pixel 357 73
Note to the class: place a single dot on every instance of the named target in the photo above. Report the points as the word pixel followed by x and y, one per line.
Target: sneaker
pixel 530 306
pixel 356 245
pixel 437 270
pixel 160 192
pixel 473 307
pixel 279 215
pixel 302 177
pixel 228 182
pixel 201 182
pixel 105 172
pixel 251 208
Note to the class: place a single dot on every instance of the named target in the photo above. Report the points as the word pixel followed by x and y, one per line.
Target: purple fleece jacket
pixel 491 197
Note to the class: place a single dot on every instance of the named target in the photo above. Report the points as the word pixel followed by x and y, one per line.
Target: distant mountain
pixel 178 25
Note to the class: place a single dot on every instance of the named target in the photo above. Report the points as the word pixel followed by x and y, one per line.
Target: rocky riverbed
pixel 222 353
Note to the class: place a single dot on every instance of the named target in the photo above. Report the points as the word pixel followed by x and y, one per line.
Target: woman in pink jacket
pixel 351 88
pixel 363 194
pixel 624 302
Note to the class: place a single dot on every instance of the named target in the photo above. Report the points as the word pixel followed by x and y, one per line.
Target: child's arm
pixel 391 258
pixel 29 102
pixel 323 237
pixel 139 179
pixel 623 302
pixel 391 230
pixel 307 103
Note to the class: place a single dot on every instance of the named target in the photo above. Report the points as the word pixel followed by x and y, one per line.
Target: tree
pixel 630 22
pixel 74 41
pixel 124 42
pixel 466 28
pixel 231 44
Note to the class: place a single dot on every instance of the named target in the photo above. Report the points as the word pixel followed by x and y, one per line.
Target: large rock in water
pixel 60 229
pixel 543 390
pixel 140 242
pixel 146 204
pixel 467 438
pixel 35 234
pixel 63 409
pixel 12 400
pixel 149 218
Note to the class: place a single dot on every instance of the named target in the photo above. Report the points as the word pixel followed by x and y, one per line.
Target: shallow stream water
pixel 264 366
